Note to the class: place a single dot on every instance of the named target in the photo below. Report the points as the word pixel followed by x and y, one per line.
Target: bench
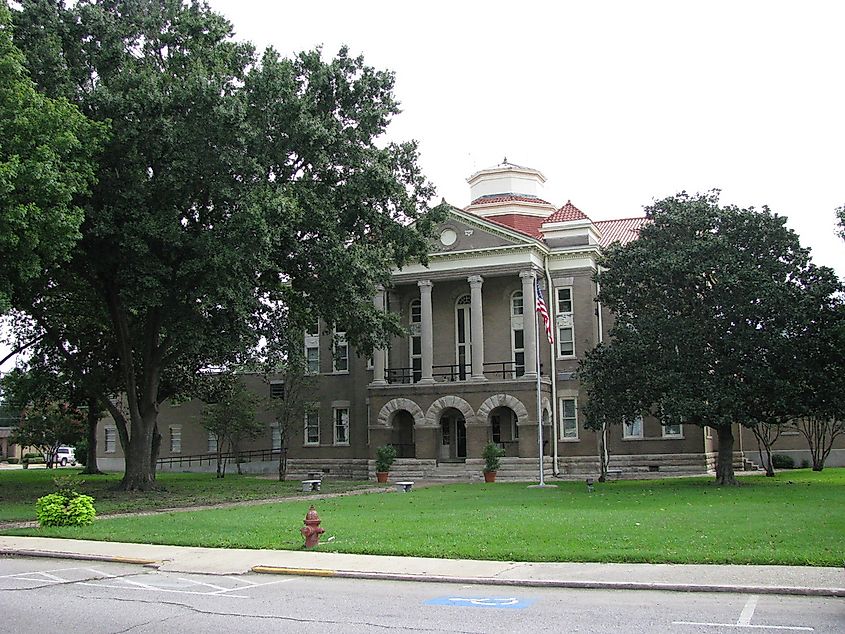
pixel 404 487
pixel 310 485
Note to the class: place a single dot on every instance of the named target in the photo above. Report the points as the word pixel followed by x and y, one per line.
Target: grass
pixel 797 518
pixel 20 488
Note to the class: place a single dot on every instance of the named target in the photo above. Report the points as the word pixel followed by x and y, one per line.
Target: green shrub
pixel 66 507
pixel 782 461
pixel 57 509
pixel 385 455
pixel 12 460
pixel 805 464
pixel 491 454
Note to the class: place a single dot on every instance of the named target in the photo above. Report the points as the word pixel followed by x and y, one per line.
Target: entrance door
pixel 460 438
pixel 453 437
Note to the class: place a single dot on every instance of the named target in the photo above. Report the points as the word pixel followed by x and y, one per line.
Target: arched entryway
pixel 504 430
pixel 402 434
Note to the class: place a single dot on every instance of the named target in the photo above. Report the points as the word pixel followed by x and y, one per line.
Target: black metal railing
pixel 252 455
pixel 457 372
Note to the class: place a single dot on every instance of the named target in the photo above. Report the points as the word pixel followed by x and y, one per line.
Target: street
pixel 63 595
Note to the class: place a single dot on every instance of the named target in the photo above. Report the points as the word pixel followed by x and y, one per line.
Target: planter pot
pixel 489 476
pixel 381 476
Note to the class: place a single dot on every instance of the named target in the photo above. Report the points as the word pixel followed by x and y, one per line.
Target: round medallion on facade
pixel 448 237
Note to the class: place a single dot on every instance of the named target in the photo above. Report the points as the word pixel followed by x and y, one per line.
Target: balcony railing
pixel 457 372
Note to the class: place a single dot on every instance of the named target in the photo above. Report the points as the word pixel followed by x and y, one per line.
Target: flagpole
pixel 539 403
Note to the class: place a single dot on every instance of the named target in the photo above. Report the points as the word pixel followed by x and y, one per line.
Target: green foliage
pixel 385 455
pixel 57 509
pixel 47 426
pixel 782 461
pixel 492 454
pixel 65 507
pixel 235 191
pixel 714 309
pixel 46 163
pixel 840 215
pixel 12 460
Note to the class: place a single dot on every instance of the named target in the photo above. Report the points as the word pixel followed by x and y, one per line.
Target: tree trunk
pixel 91 467
pixel 724 461
pixel 140 471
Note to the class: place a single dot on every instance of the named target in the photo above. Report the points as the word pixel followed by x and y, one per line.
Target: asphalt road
pixel 38 595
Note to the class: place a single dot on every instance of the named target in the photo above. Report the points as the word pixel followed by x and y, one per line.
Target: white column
pixel 529 323
pixel 379 353
pixel 477 316
pixel 427 332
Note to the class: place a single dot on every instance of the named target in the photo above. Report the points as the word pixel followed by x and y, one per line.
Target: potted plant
pixel 385 455
pixel 492 453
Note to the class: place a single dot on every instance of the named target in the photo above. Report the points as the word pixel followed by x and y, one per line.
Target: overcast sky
pixel 617 103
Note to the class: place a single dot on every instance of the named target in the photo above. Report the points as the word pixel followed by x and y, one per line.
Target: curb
pixel 555 583
pixel 14 552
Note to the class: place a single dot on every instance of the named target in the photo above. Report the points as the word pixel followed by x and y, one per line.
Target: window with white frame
pixel 565 322
pixel 312 348
pixel 569 418
pixel 212 443
pixel 275 437
pixel 340 358
pixel 277 389
pixel 312 427
pixel 176 439
pixel 633 428
pixel 517 333
pixel 415 341
pixel 341 426
pixel 673 431
pixel 110 439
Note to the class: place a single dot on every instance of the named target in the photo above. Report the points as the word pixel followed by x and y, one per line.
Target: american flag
pixel 541 308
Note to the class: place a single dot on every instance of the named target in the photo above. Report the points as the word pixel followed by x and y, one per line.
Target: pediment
pixel 462 232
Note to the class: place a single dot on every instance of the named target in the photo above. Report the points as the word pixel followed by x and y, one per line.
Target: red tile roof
pixel 566 213
pixel 623 230
pixel 507 198
pixel 529 225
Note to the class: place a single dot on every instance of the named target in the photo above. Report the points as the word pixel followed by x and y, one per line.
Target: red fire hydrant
pixel 312 531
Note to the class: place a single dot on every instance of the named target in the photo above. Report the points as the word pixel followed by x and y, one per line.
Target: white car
pixel 65 456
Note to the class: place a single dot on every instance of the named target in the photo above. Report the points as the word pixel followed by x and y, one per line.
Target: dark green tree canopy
pixel 238 196
pixel 46 162
pixel 711 303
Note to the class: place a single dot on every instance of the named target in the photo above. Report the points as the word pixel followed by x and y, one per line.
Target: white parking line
pixel 744 620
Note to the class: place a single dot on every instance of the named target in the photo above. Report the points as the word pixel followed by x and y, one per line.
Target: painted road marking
pixel 744 620
pixel 511 603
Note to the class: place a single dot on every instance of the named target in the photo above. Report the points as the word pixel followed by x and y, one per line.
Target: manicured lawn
pixel 20 488
pixel 797 518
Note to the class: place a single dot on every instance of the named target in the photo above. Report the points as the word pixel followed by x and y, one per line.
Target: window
pixel 569 418
pixel 565 326
pixel 415 342
pixel 176 439
pixel 633 428
pixel 463 335
pixel 275 438
pixel 312 428
pixel 517 334
pixel 212 443
pixel 312 348
pixel 341 426
pixel 277 389
pixel 340 358
pixel 110 440
pixel 673 431
pixel 496 428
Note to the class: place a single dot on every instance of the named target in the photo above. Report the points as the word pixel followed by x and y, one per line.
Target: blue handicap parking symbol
pixel 512 603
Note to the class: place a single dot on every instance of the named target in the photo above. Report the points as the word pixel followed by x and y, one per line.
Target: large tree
pixel 234 188
pixel 710 303
pixel 46 161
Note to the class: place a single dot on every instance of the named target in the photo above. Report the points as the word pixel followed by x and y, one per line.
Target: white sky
pixel 617 103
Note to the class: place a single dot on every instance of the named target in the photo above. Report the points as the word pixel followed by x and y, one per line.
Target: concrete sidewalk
pixel 793 580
